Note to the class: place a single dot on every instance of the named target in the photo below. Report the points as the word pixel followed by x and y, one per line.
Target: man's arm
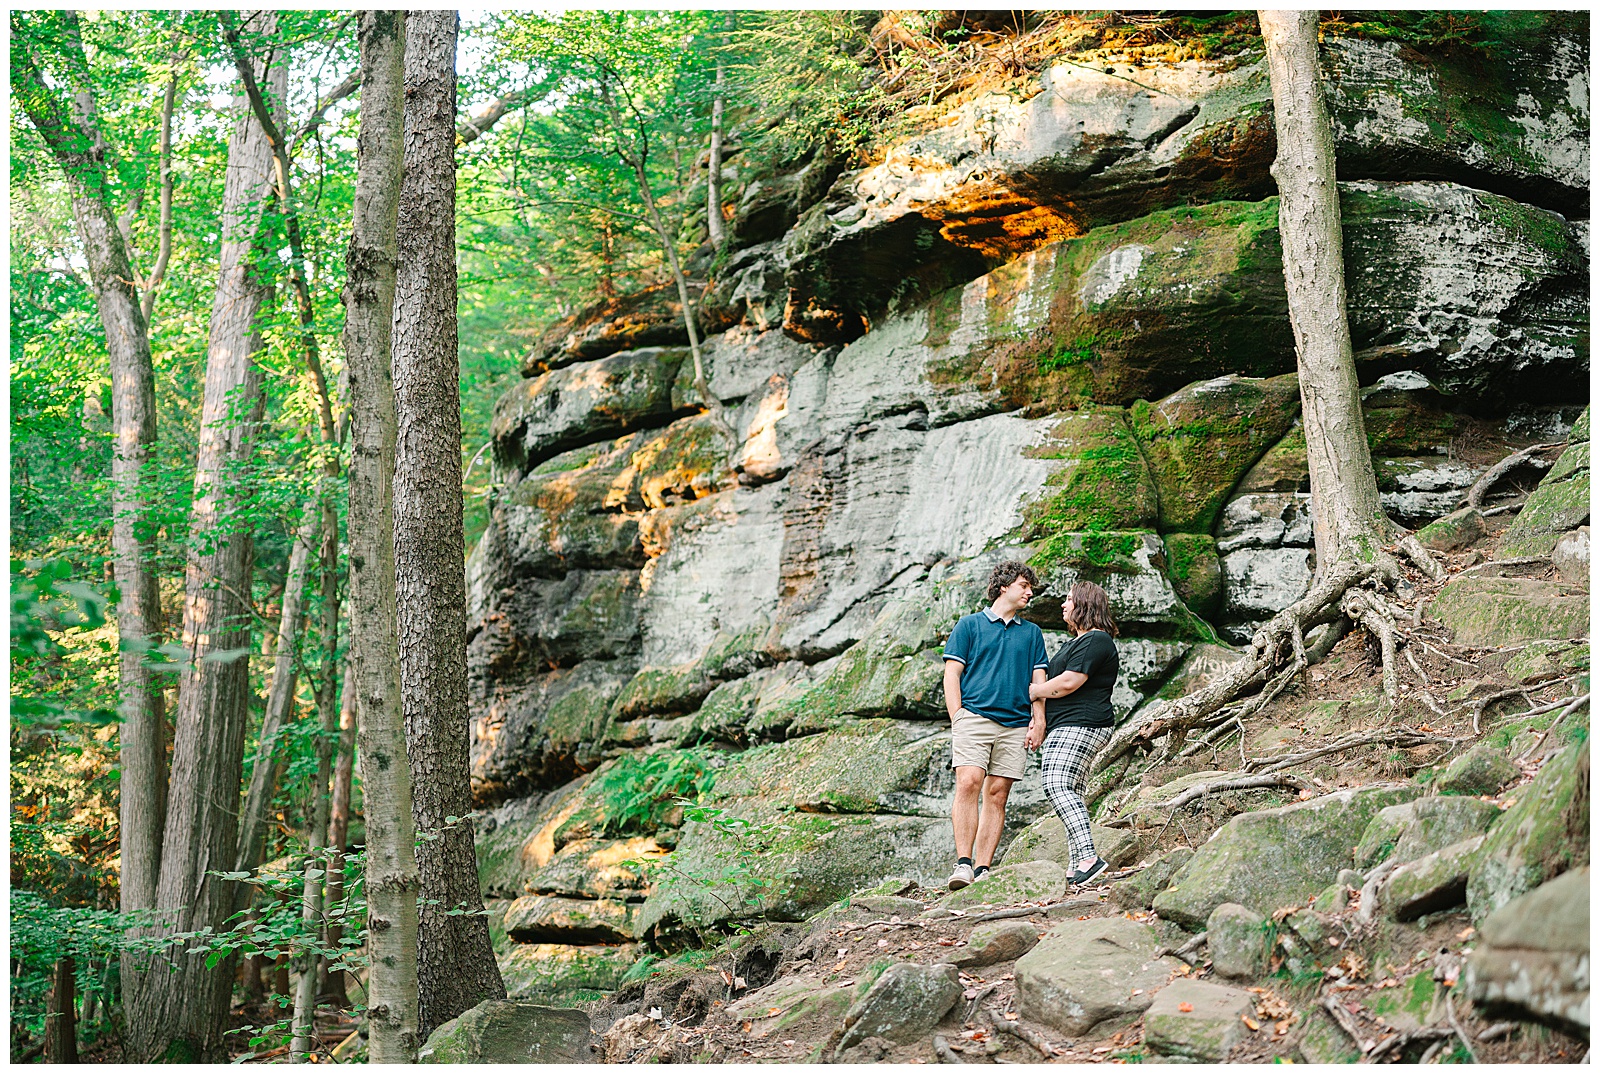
pixel 1035 736
pixel 952 686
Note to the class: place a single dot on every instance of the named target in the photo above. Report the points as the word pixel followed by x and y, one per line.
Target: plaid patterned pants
pixel 1064 762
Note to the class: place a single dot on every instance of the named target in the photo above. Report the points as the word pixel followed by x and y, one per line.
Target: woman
pixel 1078 717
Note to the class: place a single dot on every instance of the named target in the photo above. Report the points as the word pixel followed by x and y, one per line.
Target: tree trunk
pixel 77 144
pixel 456 965
pixel 280 700
pixel 392 879
pixel 1349 518
pixel 316 872
pixel 60 1015
pixel 182 1015
pixel 714 228
pixel 338 836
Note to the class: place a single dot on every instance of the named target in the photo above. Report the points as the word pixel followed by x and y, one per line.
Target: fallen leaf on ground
pixel 1010 1016
pixel 1251 1022
pixel 1185 1008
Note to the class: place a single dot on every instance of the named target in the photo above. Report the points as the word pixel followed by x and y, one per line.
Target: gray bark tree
pixel 392 880
pixel 457 968
pixel 182 1015
pixel 76 142
pixel 714 227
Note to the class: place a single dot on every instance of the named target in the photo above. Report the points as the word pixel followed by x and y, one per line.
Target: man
pixel 989 661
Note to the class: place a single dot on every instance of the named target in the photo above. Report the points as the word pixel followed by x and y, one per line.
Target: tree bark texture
pixel 339 832
pixel 1349 518
pixel 60 1014
pixel 77 145
pixel 280 698
pixel 392 880
pixel 181 1015
pixel 315 878
pixel 714 228
pixel 456 965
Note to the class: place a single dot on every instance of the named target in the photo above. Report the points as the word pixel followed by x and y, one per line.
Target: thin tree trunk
pixel 392 879
pixel 158 271
pixel 456 965
pixel 1344 493
pixel 714 228
pixel 60 1016
pixel 182 1015
pixel 306 962
pixel 339 835
pixel 76 142
pixel 280 700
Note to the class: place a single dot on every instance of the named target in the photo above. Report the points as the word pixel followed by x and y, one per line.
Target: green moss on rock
pixel 1102 482
pixel 1195 570
pixel 1543 834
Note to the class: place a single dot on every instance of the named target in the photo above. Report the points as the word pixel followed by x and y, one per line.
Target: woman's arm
pixel 1060 686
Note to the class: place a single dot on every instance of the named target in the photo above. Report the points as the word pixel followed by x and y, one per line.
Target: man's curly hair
pixel 1006 573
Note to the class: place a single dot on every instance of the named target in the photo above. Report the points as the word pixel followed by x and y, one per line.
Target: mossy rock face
pixel 1196 571
pixel 559 973
pixel 1283 469
pixel 515 839
pixel 1481 770
pixel 566 514
pixel 1458 529
pixel 1431 883
pixel 565 920
pixel 857 768
pixel 1046 840
pixel 1491 612
pixel 1560 503
pixel 1102 482
pixel 1543 660
pixel 1408 1006
pixel 545 733
pixel 597 869
pixel 648 318
pixel 505 1031
pixel 1130 566
pixel 1412 829
pixel 1008 885
pixel 1139 890
pixel 1202 439
pixel 1397 425
pixel 1275 857
pixel 541 623
pixel 1543 834
pixel 579 404
pixel 680 463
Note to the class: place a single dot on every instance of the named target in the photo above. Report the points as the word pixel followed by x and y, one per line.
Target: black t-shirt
pixel 1093 654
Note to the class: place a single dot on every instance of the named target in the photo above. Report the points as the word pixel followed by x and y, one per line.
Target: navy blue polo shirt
pixel 998 660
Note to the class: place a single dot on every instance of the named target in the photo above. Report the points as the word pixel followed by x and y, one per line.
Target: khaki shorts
pixel 978 740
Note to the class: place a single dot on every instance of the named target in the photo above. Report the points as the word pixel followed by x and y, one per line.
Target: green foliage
pixel 640 789
pixel 1494 33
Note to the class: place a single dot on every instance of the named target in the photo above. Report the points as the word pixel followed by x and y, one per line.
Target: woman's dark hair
pixel 1091 609
pixel 1008 572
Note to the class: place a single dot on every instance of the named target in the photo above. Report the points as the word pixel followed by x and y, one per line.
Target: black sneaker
pixel 979 873
pixel 1083 876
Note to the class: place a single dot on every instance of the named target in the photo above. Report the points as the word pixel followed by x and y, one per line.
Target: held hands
pixel 1036 691
pixel 1035 737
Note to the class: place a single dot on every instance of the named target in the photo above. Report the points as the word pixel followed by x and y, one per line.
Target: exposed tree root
pixel 1023 1033
pixel 1491 477
pixel 941 1048
pixel 1187 951
pixel 1404 737
pixel 1321 606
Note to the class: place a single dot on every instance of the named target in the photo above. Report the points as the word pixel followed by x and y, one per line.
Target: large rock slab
pixel 1431 883
pixel 1559 504
pixel 1481 770
pixel 1239 941
pixel 554 972
pixel 1411 829
pixel 1008 885
pixel 1202 439
pixel 1274 857
pixel 649 318
pixel 1088 974
pixel 1101 482
pixel 506 1031
pixel 1491 612
pixel 790 1003
pixel 580 404
pixel 1130 566
pixel 1544 833
pixel 1532 958
pixel 1046 839
pixel 566 920
pixel 1197 1020
pixel 997 941
pixel 534 735
pixel 903 1004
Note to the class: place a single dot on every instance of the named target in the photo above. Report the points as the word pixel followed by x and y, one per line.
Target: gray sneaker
pixel 960 877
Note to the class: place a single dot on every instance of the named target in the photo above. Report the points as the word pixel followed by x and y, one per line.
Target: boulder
pixel 791 1002
pixel 1203 438
pixel 545 623
pixel 1571 556
pixel 1321 1040
pixel 1490 612
pixel 1006 885
pixel 1139 890
pixel 1197 1020
pixel 1458 529
pixel 1275 857
pixel 886 905
pixel 1089 976
pixel 1412 829
pixel 1130 566
pixel 1544 833
pixel 1046 839
pixel 1258 583
pixel 552 971
pixel 903 1004
pixel 996 941
pixel 1559 504
pixel 581 404
pixel 1481 770
pixel 1419 492
pixel 1541 661
pixel 1532 958
pixel 508 1031
pixel 1195 570
pixel 1239 941
pixel 1433 882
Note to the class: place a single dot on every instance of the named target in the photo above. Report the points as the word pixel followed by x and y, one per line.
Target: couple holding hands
pixel 1006 697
